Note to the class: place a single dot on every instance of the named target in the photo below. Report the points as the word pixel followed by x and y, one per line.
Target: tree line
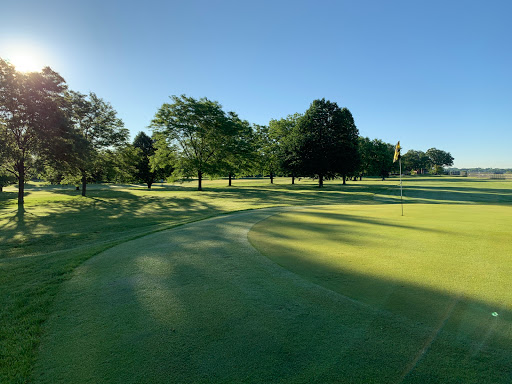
pixel 62 136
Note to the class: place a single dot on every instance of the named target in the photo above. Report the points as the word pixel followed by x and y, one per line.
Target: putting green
pixel 445 266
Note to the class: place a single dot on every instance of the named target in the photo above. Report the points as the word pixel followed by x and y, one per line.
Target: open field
pixel 47 265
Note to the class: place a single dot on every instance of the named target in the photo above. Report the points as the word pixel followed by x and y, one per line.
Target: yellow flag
pixel 397 152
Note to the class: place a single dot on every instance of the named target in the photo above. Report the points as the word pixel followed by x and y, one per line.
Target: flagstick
pixel 401 201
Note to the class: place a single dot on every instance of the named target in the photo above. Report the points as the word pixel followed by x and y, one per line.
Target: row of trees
pixel 67 137
pixel 43 122
pixel 431 161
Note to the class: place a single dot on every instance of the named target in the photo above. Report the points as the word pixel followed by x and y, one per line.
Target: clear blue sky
pixel 427 73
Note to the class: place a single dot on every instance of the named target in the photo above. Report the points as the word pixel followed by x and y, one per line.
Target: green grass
pixel 442 268
pixel 41 248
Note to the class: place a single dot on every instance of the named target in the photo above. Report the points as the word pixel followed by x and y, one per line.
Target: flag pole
pixel 399 158
pixel 401 200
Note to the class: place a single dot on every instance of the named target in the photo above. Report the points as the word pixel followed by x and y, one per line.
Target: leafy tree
pixel 144 149
pixel 97 128
pixel 327 141
pixel 365 156
pixel 5 179
pixel 376 157
pixel 200 129
pixel 33 118
pixel 415 160
pixel 268 152
pixel 163 161
pixel 240 152
pixel 283 134
pixel 439 158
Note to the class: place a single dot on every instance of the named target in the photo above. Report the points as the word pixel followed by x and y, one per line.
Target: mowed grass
pixel 59 230
pixel 443 268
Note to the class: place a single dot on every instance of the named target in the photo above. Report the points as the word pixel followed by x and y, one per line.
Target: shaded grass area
pixel 443 268
pixel 58 230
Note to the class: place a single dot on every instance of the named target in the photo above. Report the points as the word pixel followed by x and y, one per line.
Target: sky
pixel 427 73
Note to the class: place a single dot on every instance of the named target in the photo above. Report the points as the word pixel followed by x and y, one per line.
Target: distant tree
pixel 97 128
pixel 33 120
pixel 376 157
pixel 283 135
pixel 439 157
pixel 163 161
pixel 415 160
pixel 240 150
pixel 327 141
pixel 6 179
pixel 144 149
pixel 365 156
pixel 199 128
pixel 382 158
pixel 268 152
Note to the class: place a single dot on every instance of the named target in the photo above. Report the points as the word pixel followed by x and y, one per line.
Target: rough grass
pixel 59 230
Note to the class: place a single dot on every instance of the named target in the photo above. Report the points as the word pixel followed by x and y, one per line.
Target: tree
pixel 144 149
pixel 439 158
pixel 326 141
pixel 163 161
pixel 33 120
pixel 240 152
pixel 283 134
pixel 376 157
pixel 97 128
pixel 268 152
pixel 200 129
pixel 415 160
pixel 5 179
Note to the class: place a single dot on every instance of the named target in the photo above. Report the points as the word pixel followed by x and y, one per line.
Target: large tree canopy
pixel 33 119
pixel 200 129
pixel 439 157
pixel 97 128
pixel 326 138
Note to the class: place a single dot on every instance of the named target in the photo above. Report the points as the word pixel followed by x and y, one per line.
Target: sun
pixel 26 61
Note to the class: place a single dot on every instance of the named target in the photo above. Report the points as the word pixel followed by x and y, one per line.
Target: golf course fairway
pixel 297 295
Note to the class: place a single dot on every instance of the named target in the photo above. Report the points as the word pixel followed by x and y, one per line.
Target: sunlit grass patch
pixel 445 266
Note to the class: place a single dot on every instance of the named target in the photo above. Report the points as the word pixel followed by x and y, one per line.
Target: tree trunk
pixel 1 188
pixel 229 179
pixel 84 183
pixel 199 180
pixel 271 178
pixel 149 185
pixel 21 183
pixel 293 179
pixel 360 177
pixel 344 179
pixel 320 181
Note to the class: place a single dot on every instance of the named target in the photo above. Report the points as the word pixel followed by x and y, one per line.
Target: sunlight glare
pixel 26 62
